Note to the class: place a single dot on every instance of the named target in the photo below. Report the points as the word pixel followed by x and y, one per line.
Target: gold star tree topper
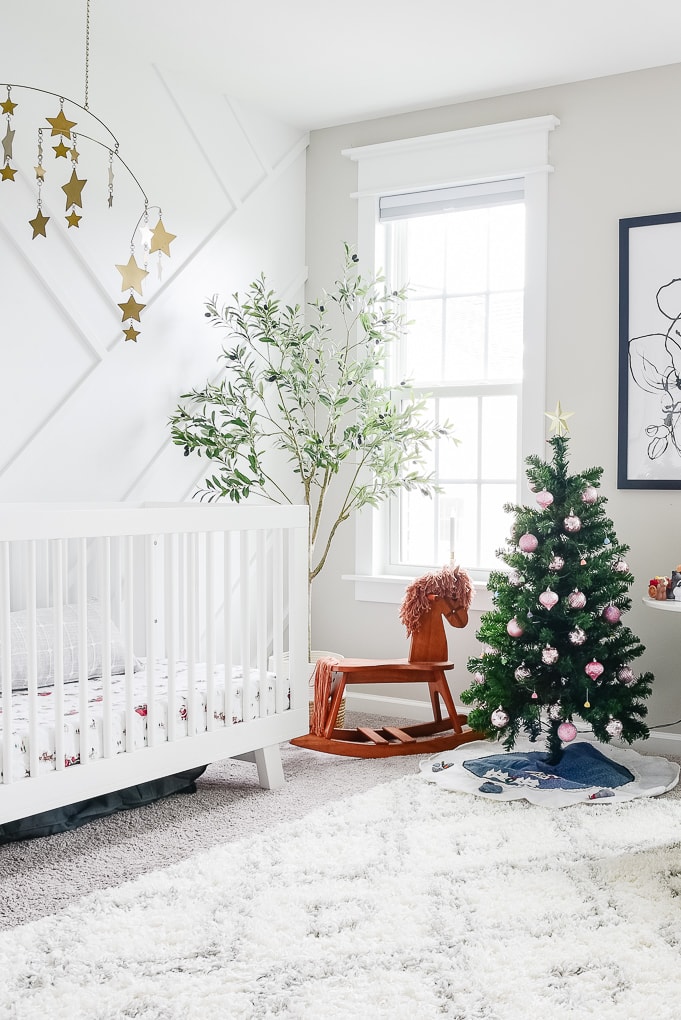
pixel 558 419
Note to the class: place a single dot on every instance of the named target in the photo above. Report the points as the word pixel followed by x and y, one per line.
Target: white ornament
pixel 614 728
pixel 499 718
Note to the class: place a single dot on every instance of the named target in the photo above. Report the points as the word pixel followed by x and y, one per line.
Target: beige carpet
pixel 41 876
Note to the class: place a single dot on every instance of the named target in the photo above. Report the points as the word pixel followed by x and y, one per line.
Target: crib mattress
pixel 20 753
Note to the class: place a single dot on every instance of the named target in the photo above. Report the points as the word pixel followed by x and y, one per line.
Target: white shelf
pixel 671 605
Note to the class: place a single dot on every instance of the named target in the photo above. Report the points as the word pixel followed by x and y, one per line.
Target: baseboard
pixel 658 742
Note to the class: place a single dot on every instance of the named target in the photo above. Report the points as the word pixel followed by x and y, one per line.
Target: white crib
pixel 140 641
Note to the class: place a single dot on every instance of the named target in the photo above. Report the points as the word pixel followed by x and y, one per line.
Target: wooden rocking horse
pixel 433 598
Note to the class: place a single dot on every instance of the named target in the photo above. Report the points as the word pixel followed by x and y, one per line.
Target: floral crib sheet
pixel 20 753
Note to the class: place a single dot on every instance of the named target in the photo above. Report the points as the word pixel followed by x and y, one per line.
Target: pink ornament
pixel 535 696
pixel 513 628
pixel 499 718
pixel 544 499
pixel 614 728
pixel 576 599
pixel 557 563
pixel 590 495
pixel 572 523
pixel 625 675
pixel 577 636
pixel 621 566
pixel 528 543
pixel 548 599
pixel 478 677
pixel 611 614
pixel 549 655
pixel 567 731
pixel 593 669
pixel 522 673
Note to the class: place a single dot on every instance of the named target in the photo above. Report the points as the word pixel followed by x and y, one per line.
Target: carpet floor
pixel 404 901
pixel 39 877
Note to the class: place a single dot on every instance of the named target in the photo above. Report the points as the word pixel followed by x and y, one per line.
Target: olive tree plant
pixel 303 411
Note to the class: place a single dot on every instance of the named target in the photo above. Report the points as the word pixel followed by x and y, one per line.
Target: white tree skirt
pixel 587 772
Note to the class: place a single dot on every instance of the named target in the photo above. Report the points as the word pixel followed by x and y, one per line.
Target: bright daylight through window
pixel 462 253
pixel 460 220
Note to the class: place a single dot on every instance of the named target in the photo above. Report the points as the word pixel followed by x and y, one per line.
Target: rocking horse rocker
pixel 445 595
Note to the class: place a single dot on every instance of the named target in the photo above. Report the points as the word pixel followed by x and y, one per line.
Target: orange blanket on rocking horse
pixel 442 595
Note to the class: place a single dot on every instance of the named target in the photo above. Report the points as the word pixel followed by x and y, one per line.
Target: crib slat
pixel 105 602
pixel 244 616
pixel 192 721
pixel 31 625
pixel 83 691
pixel 6 662
pixel 128 630
pixel 58 553
pixel 210 631
pixel 150 644
pixel 278 617
pixel 170 604
pixel 227 656
pixel 261 604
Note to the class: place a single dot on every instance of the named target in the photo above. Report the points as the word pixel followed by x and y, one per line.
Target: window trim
pixel 494 152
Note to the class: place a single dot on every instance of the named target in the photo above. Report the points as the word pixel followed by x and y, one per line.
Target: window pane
pixel 465 338
pixel 425 237
pixel 505 336
pixel 423 360
pixel 507 247
pixel 460 461
pixel 459 504
pixel 416 528
pixel 495 524
pixel 499 438
pixel 467 251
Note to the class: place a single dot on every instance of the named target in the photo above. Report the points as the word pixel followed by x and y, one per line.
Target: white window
pixel 460 218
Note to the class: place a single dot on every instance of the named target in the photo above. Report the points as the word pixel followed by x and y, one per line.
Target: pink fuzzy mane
pixel 450 582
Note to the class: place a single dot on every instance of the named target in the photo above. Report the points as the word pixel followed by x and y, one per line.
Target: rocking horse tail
pixel 323 675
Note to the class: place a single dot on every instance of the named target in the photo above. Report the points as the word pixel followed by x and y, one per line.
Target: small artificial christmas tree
pixel 554 645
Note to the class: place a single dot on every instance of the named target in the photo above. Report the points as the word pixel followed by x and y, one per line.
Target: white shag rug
pixel 407 901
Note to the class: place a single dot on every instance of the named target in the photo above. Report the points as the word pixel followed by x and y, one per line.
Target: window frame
pixel 497 152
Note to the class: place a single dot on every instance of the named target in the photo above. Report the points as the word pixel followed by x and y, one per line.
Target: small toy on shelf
pixel 674 586
pixel 657 587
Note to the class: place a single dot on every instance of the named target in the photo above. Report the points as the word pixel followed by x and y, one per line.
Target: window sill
pixel 391 587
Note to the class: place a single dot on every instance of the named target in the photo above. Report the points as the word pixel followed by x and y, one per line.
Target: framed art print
pixel 649 435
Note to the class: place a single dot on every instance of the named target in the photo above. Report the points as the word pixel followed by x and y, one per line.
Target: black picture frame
pixel 649 414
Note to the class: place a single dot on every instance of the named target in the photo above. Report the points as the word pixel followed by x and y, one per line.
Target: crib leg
pixel 270 771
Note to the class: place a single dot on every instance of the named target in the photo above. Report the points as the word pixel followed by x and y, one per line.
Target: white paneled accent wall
pixel 84 413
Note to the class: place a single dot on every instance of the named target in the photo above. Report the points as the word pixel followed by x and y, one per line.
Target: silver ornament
pixel 621 566
pixel 614 728
pixel 625 675
pixel 522 673
pixel 499 718
pixel 572 523
pixel 577 636
pixel 549 655
pixel 555 711
pixel 557 563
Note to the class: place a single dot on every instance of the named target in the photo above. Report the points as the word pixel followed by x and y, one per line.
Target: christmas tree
pixel 554 646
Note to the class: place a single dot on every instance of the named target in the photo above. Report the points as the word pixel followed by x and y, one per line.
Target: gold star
pixel 7 173
pixel 73 191
pixel 7 143
pixel 60 124
pixel 131 309
pixel 8 107
pixel 39 223
pixel 74 155
pixel 131 334
pixel 73 219
pixel 39 172
pixel 132 275
pixel 558 420
pixel 61 149
pixel 161 239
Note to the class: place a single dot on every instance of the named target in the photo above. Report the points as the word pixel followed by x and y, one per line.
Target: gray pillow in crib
pixel 45 643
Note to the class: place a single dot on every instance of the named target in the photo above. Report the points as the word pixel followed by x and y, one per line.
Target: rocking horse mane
pixel 450 582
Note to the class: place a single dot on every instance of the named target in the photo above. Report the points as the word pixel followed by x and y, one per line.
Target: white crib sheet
pixel 20 754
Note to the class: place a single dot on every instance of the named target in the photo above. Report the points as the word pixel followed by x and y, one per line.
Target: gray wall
pixel 615 155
